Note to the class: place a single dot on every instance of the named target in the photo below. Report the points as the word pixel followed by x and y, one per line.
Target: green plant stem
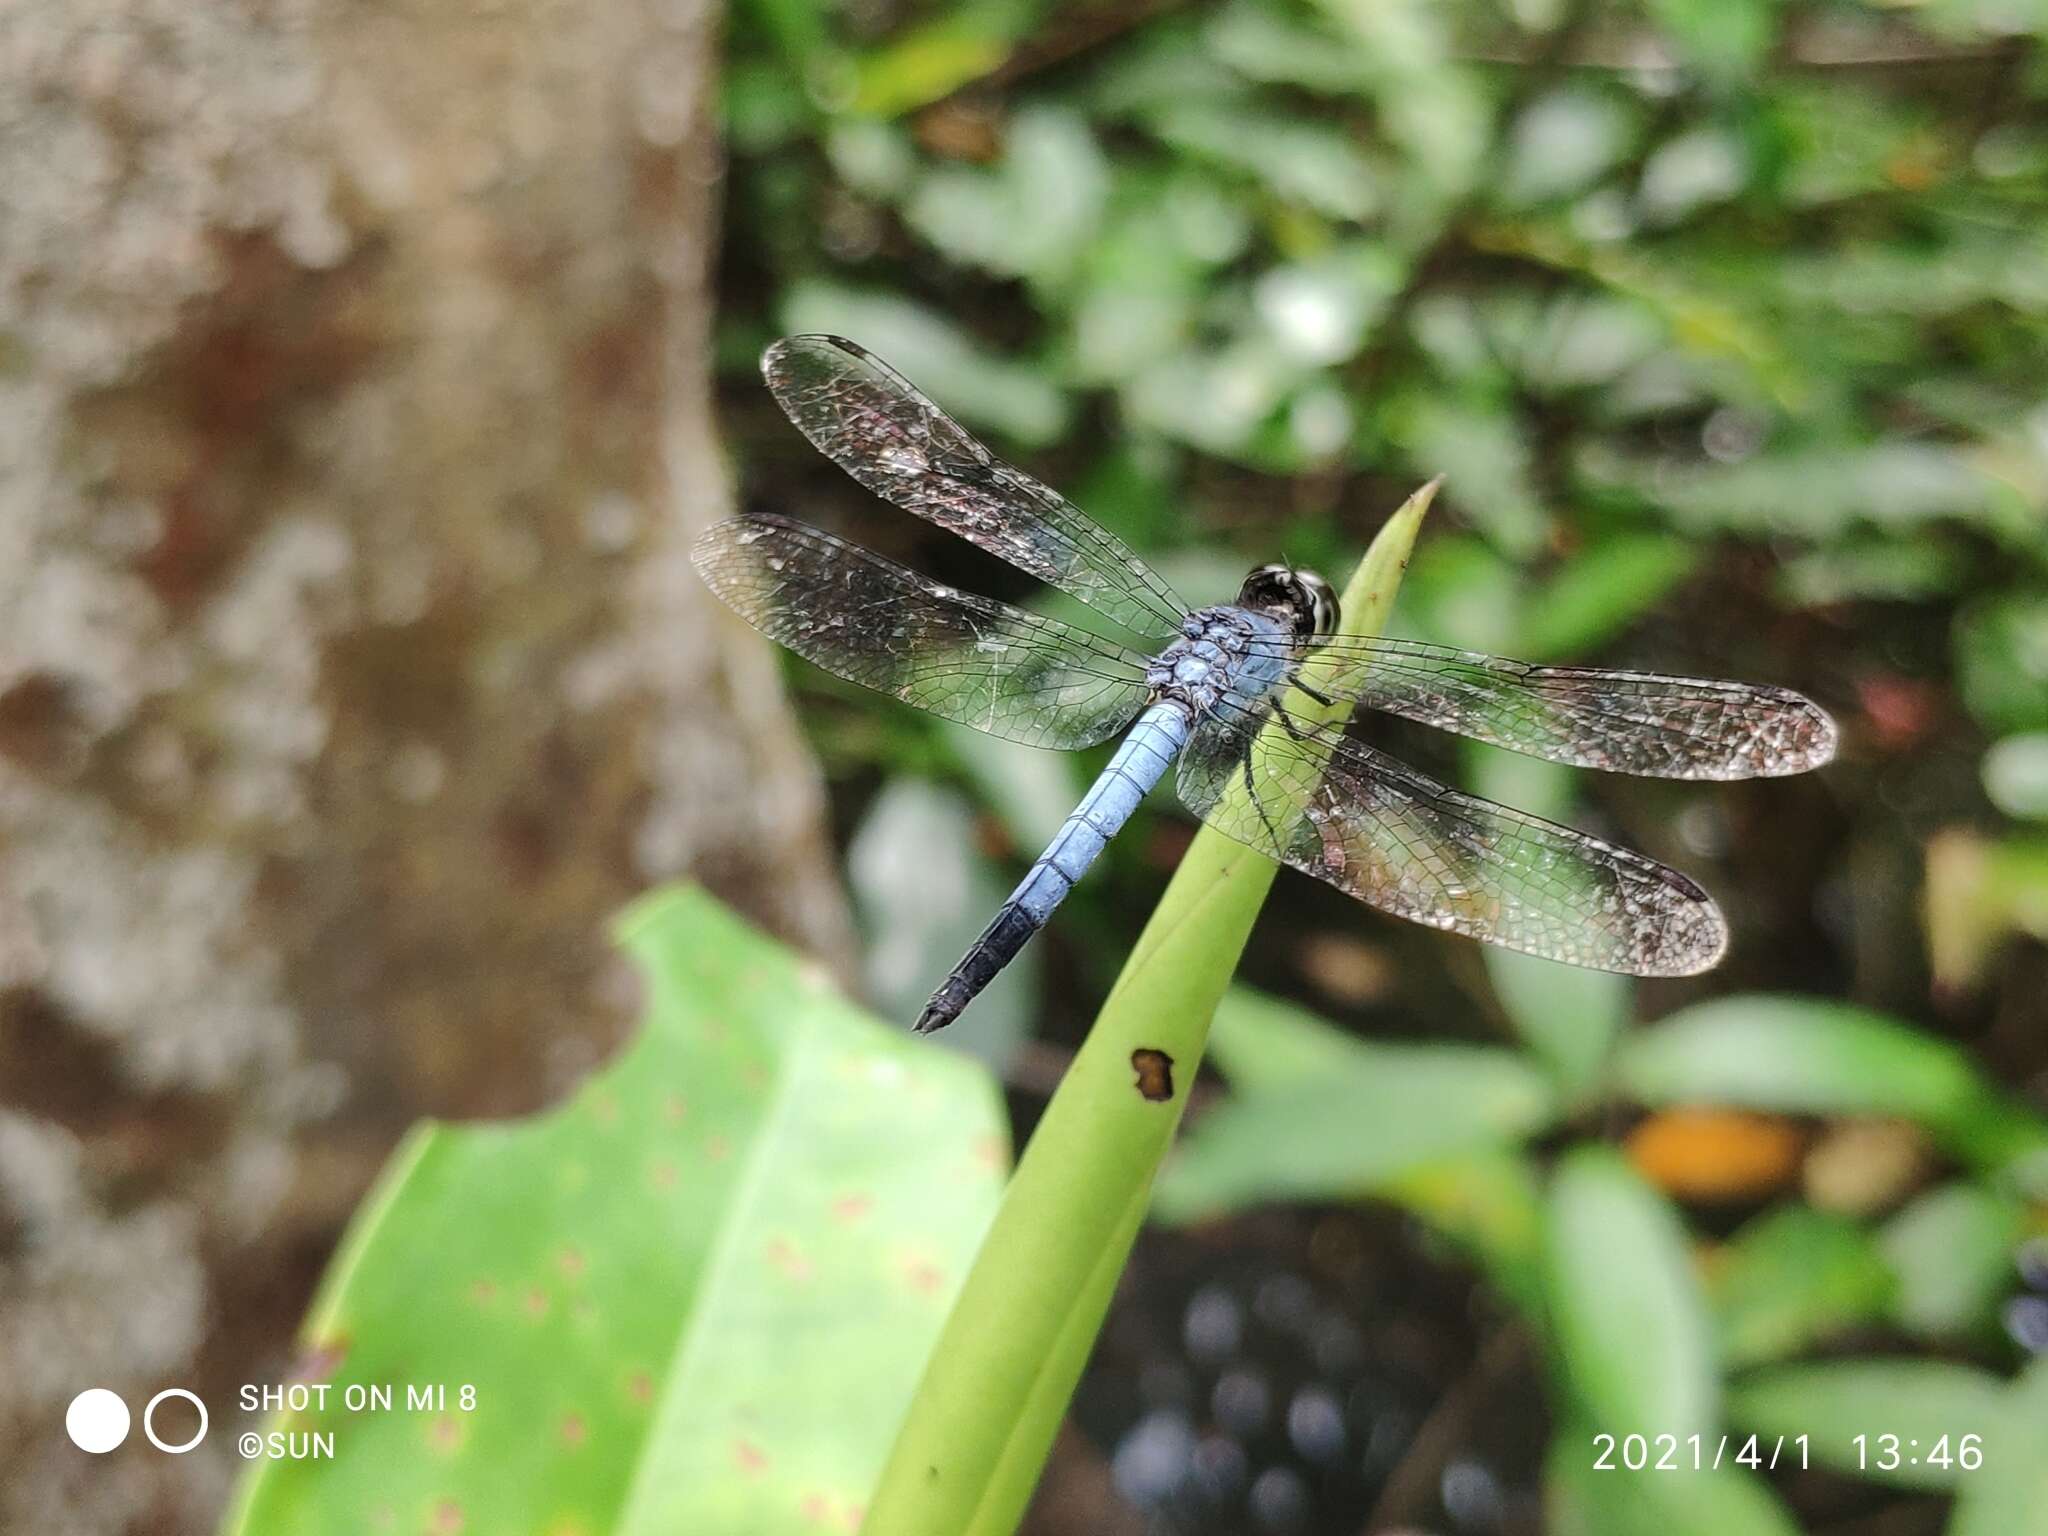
pixel 983 1420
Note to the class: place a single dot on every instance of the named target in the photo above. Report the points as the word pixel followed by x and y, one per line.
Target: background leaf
pixel 1920 1401
pixel 1630 1315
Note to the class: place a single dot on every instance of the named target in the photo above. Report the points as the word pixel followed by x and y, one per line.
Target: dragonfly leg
pixel 1252 789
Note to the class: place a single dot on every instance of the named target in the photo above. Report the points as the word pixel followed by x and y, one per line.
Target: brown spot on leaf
pixel 536 1303
pixel 444 1433
pixel 448 1518
pixel 663 1173
pixel 1155 1073
pixel 640 1387
pixel 320 1362
pixel 718 1149
pixel 672 1109
pixel 575 1429
pixel 925 1277
pixel 573 1263
pixel 750 1458
pixel 814 1508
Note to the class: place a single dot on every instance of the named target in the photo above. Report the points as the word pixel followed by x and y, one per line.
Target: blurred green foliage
pixel 1725 320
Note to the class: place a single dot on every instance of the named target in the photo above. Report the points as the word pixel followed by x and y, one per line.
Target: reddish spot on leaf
pixel 640 1387
pixel 852 1515
pixel 321 1361
pixel 573 1263
pixel 783 1254
pixel 751 1458
pixel 814 1508
pixel 444 1434
pixel 926 1277
pixel 851 1208
pixel 574 1430
pixel 484 1292
pixel 448 1518
pixel 605 1108
pixel 536 1303
pixel 988 1151
pixel 663 1173
pixel 754 1076
pixel 672 1109
pixel 718 1149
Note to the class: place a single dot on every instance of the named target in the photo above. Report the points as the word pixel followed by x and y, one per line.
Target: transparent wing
pixel 962 657
pixel 880 429
pixel 1627 722
pixel 1398 840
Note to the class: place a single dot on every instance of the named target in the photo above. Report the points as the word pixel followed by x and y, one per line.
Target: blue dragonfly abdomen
pixel 1140 762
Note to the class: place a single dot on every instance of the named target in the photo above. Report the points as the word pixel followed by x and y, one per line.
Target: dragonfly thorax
pixel 1214 656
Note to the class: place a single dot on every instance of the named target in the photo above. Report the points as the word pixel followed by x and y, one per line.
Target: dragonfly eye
pixel 1300 599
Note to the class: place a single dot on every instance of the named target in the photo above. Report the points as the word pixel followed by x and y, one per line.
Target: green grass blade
pixel 695 1297
pixel 985 1414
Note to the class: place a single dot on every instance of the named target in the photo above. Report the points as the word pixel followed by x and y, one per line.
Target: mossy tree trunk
pixel 354 423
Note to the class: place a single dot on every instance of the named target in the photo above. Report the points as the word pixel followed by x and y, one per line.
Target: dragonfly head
pixel 1300 599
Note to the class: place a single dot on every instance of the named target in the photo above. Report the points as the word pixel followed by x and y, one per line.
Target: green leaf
pixel 1602 591
pixel 1626 1304
pixel 2008 1495
pixel 1726 38
pixel 2016 775
pixel 1797 1054
pixel 997 1387
pixel 1791 1278
pixel 695 1297
pixel 1268 1045
pixel 1952 1252
pixel 1831 1403
pixel 2001 658
pixel 1388 1109
pixel 1489 1203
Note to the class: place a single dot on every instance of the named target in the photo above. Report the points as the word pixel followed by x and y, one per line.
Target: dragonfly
pixel 1216 694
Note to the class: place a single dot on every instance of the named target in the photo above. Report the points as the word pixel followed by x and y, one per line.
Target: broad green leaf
pixel 1626 1304
pixel 695 1297
pixel 2008 1495
pixel 1951 1250
pixel 1615 1500
pixel 1268 1045
pixel 1791 1278
pixel 1337 1136
pixel 1798 1054
pixel 998 1384
pixel 1490 1203
pixel 1603 590
pixel 1922 1402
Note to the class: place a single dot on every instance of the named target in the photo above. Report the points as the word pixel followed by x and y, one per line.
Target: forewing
pixel 1626 722
pixel 1398 840
pixel 882 430
pixel 962 657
